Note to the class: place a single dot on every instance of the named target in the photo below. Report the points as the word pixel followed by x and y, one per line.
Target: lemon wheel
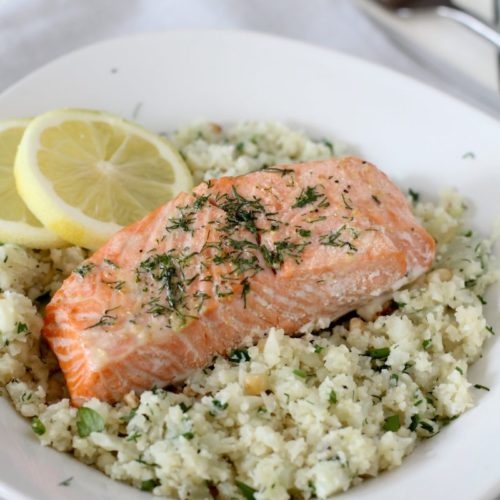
pixel 17 223
pixel 86 174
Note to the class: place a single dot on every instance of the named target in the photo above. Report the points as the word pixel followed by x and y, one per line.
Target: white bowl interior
pixel 414 133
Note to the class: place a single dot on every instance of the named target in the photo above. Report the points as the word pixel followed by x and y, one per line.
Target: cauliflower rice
pixel 298 417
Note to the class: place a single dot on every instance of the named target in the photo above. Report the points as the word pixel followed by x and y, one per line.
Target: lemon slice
pixel 86 174
pixel 17 223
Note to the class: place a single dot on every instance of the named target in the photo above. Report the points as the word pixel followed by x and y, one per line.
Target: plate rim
pixel 262 35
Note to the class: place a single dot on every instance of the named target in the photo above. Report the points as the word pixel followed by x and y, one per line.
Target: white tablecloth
pixel 33 32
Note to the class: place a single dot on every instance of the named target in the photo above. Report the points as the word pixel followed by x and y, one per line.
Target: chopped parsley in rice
pixel 306 416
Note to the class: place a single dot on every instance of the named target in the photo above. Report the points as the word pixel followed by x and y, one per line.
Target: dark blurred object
pixel 446 8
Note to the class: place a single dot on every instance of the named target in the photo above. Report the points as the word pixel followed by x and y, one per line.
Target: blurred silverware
pixel 446 8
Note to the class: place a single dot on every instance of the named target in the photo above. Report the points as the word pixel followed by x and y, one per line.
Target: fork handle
pixel 472 22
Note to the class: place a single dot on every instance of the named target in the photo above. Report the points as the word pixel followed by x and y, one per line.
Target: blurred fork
pixel 446 8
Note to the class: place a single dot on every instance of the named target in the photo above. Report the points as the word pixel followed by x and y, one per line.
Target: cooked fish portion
pixel 291 246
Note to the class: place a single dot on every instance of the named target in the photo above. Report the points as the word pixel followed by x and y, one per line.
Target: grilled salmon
pixel 293 246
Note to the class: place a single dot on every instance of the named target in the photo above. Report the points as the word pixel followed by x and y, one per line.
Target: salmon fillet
pixel 293 247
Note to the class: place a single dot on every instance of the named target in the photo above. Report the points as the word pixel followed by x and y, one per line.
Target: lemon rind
pixel 57 215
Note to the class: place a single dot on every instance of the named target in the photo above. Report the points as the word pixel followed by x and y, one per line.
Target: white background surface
pixel 34 32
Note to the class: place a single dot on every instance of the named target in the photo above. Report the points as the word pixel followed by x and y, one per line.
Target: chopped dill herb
pixel 184 222
pixel 393 379
pixel 332 398
pixel 469 155
pixel 328 144
pixel 305 233
pixel 220 406
pixel 239 356
pixel 468 234
pixel 245 291
pixel 415 420
pixel 37 426
pixel 240 211
pixel 490 329
pixel 347 202
pixel 116 285
pixel 127 418
pixel 483 387
pixel 470 283
pixel 482 300
pixel 21 327
pixel 134 437
pixel 247 491
pixel 444 421
pixel 84 269
pixel 188 435
pixel 333 240
pixel 149 484
pixel 312 488
pixel 167 270
pixel 66 482
pixel 222 293
pixel 318 348
pixel 307 196
pixel 110 263
pixel 300 373
pixel 184 407
pixel 200 202
pixel 414 195
pixel 426 344
pixel 280 170
pixel 106 319
pixel 459 370
pixel 240 148
pixel 283 248
pixel 382 353
pixel 427 427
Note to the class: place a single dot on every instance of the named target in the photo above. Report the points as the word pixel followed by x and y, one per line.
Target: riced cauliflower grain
pixel 212 151
pixel 308 416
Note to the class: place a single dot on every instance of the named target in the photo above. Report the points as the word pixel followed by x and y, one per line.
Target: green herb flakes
pixel 333 397
pixel 127 418
pixel 247 491
pixel 300 373
pixel 415 419
pixel 392 423
pixel 149 484
pixel 306 197
pixel 482 387
pixel 393 379
pixel 21 327
pixel 427 427
pixel 239 356
pixel 415 197
pixel 426 344
pixel 37 426
pixel 382 353
pixel 88 421
pixel 84 269
pixel 66 482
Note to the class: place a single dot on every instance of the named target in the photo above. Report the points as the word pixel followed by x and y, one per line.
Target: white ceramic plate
pixel 414 133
